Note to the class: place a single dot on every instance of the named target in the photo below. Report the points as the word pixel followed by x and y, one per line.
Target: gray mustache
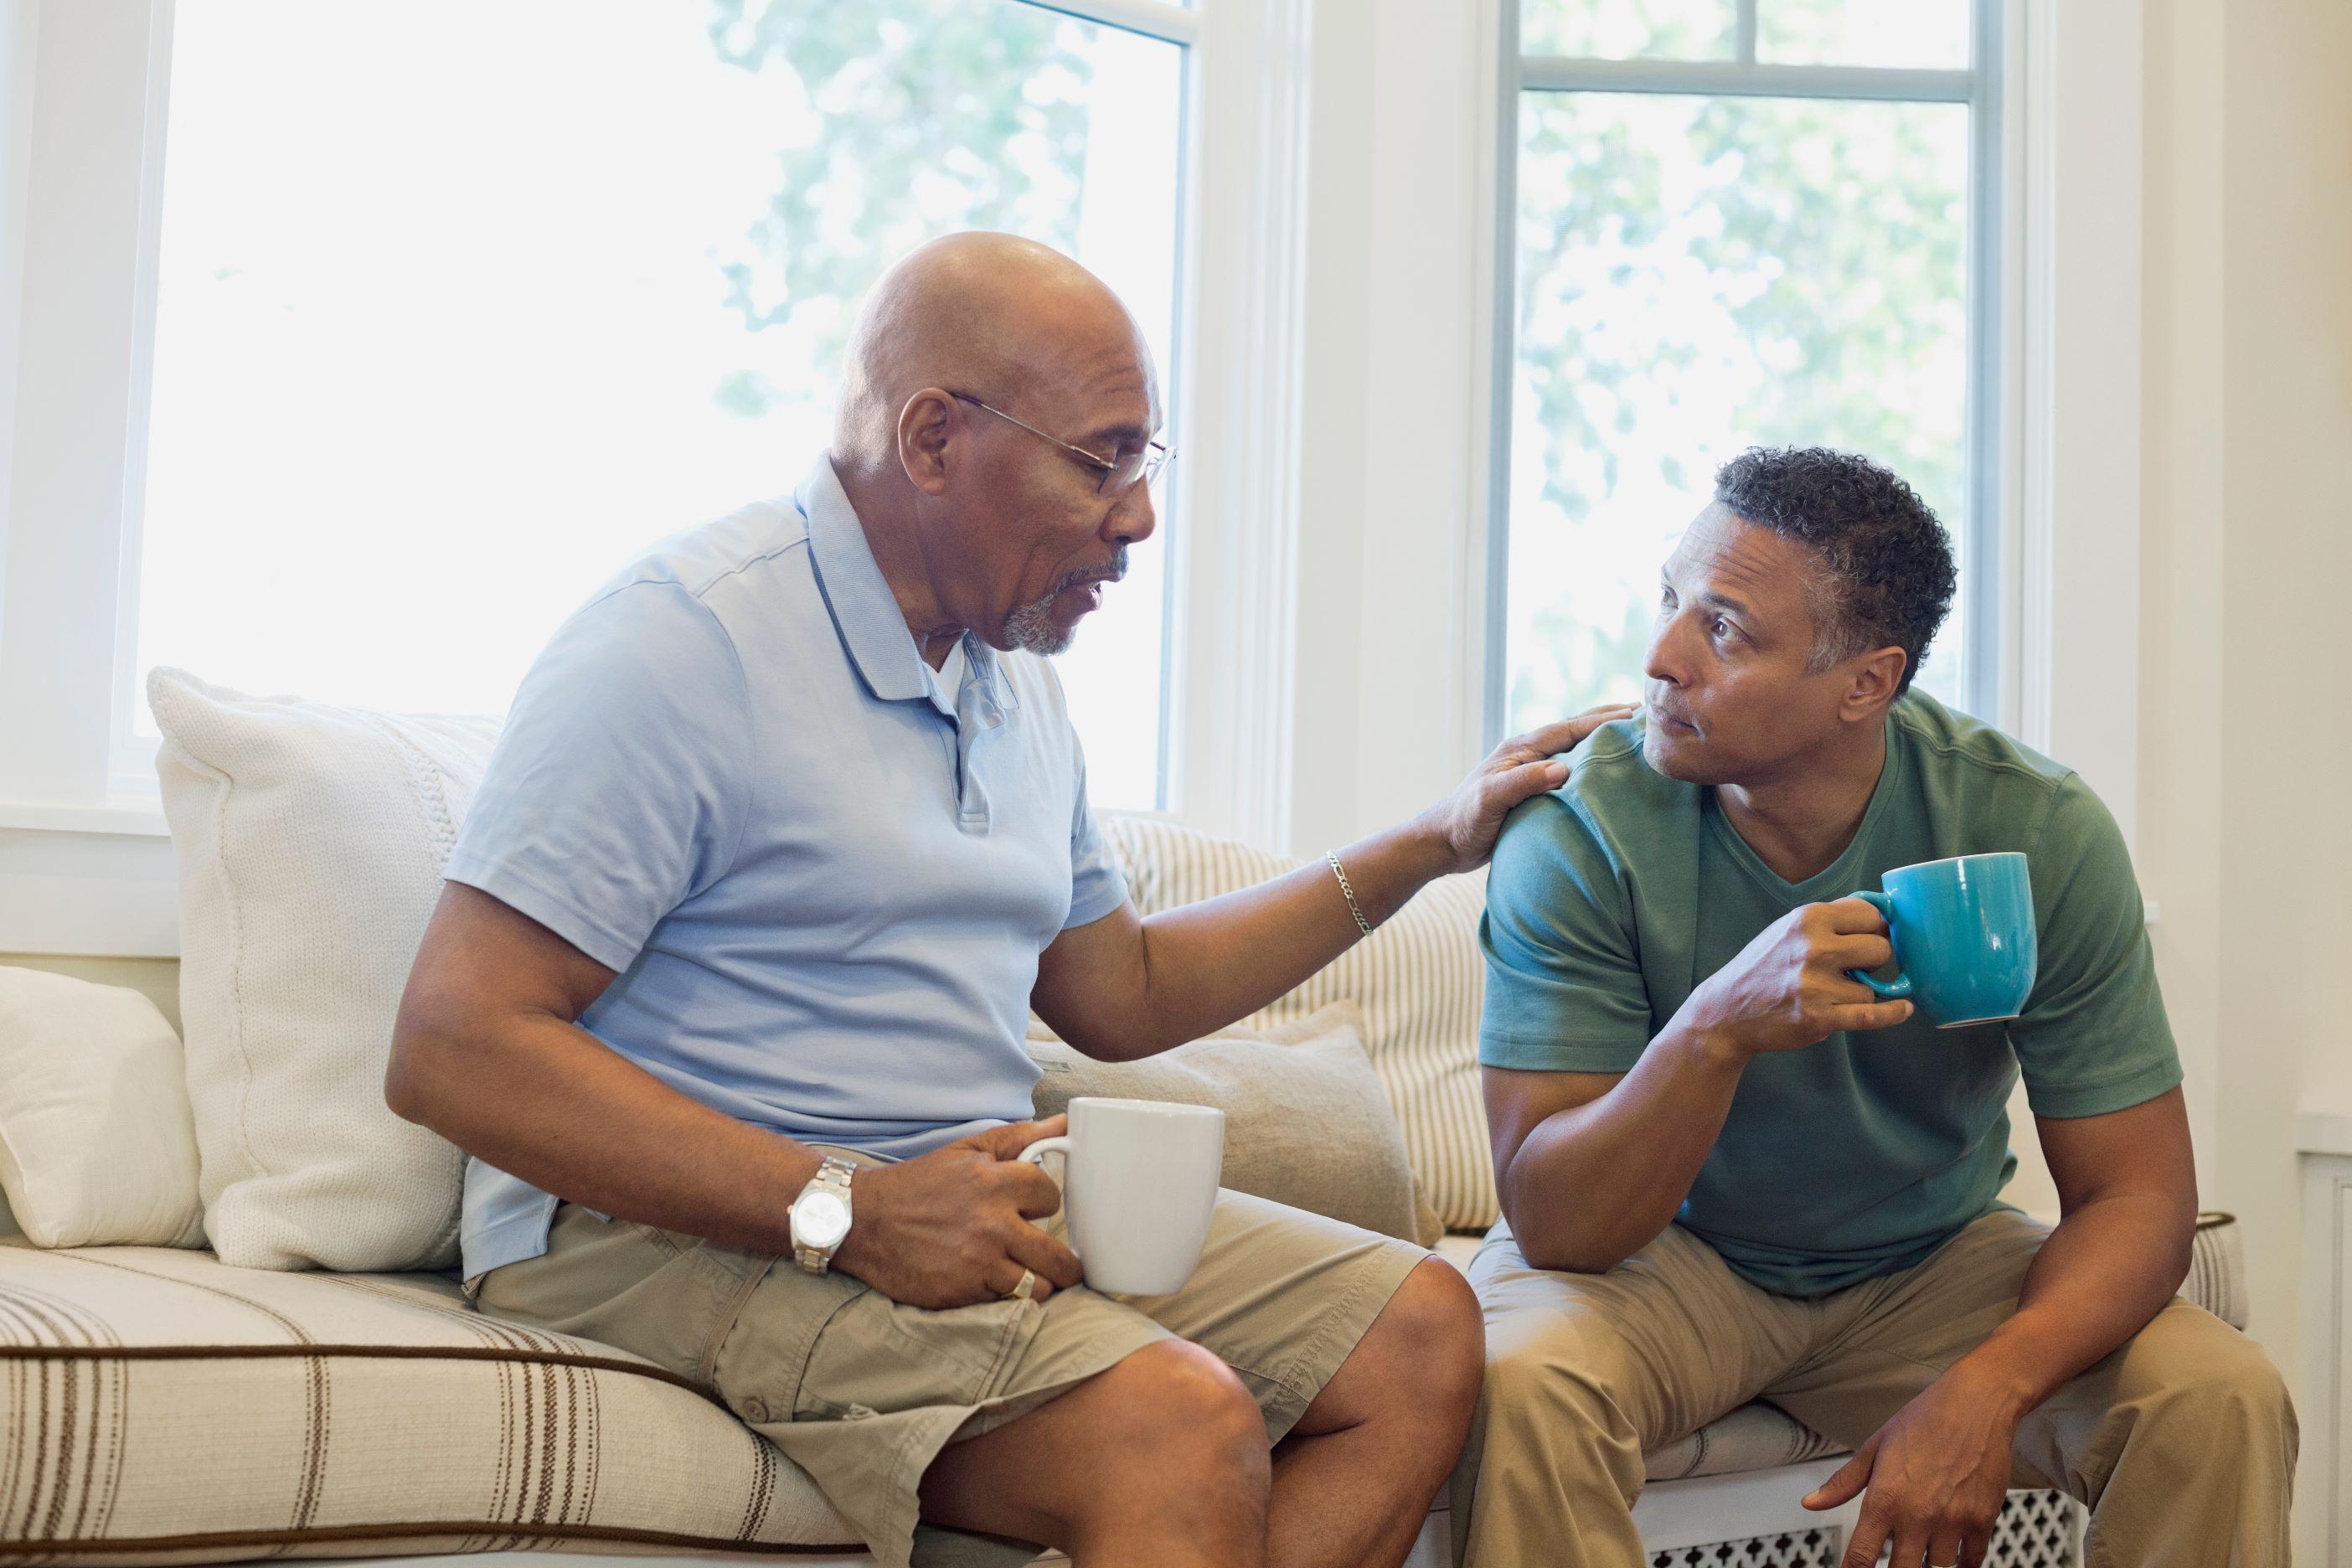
pixel 1111 574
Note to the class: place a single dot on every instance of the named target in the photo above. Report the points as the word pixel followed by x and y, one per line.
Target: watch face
pixel 820 1220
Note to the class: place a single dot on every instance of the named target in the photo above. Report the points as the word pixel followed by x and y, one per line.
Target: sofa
pixel 257 1346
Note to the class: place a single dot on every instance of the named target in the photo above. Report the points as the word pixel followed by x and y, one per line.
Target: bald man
pixel 786 833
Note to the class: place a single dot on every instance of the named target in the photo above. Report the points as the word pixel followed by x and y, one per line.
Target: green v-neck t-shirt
pixel 1614 896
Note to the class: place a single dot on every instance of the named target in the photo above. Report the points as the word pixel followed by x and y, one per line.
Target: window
pixel 440 344
pixel 1733 223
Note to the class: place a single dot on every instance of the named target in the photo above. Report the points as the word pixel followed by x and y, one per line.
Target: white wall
pixel 2247 687
pixel 2180 839
pixel 1388 694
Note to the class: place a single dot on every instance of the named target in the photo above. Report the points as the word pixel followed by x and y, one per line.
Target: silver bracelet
pixel 1348 892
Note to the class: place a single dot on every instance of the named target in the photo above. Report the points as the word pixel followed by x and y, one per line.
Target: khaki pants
pixel 863 1392
pixel 2182 1442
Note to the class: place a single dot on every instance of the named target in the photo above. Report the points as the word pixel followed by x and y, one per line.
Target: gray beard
pixel 1030 629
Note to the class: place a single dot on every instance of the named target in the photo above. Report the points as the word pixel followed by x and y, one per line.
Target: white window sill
pixel 2324 1133
pixel 133 817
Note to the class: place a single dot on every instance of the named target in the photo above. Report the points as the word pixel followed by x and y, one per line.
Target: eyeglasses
pixel 1118 473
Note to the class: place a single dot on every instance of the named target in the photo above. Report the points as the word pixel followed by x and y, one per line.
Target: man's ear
pixel 925 425
pixel 1877 677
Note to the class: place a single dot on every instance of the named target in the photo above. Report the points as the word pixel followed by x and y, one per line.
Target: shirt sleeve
pixel 619 786
pixel 1564 986
pixel 2093 1037
pixel 1098 886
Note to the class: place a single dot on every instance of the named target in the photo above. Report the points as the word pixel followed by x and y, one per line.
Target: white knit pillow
pixel 1419 980
pixel 310 840
pixel 95 1149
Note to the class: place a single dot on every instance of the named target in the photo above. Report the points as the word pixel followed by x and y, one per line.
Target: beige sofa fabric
pixel 1419 979
pixel 156 1406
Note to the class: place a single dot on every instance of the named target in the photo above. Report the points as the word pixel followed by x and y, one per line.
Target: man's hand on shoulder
pixel 1789 988
pixel 1466 823
pixel 954 1227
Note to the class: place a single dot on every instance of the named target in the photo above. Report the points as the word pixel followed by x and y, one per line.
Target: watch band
pixel 832 1176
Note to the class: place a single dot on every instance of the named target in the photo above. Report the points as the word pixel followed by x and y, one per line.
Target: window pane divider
pixel 1730 78
pixel 1992 554
pixel 1153 18
pixel 1502 367
pixel 1748 32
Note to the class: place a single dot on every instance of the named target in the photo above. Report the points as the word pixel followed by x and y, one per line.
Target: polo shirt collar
pixel 866 613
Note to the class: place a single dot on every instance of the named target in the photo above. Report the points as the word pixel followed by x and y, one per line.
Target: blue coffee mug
pixel 1964 938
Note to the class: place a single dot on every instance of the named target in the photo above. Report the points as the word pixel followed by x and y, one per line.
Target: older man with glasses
pixel 726 995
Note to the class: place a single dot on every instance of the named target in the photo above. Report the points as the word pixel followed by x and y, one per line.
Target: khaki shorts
pixel 863 1392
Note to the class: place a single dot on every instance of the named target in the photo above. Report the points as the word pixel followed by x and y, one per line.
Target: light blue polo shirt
pixel 824 878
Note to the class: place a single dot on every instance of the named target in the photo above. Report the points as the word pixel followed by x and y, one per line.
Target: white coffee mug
pixel 1139 1184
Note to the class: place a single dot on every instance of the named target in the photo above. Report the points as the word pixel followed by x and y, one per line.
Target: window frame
pixel 84 855
pixel 1326 702
pixel 121 228
pixel 1988 601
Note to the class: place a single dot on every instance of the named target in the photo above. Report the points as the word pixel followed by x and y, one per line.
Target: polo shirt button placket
pixel 975 720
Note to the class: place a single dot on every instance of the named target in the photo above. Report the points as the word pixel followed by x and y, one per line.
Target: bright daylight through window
pixel 1737 222
pixel 442 343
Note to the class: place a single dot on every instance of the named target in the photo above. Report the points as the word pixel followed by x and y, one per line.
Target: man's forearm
pixel 2110 1267
pixel 1595 1183
pixel 1208 963
pixel 552 1104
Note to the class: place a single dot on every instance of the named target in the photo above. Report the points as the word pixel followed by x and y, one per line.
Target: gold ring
pixel 1025 1291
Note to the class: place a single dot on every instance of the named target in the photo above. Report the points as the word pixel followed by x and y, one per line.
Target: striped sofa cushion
pixel 1419 980
pixel 2217 1267
pixel 159 1405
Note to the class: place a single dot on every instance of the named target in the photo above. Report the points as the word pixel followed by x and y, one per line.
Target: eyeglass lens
pixel 1144 465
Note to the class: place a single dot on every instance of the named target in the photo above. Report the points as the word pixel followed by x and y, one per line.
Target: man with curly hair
pixel 1729 1170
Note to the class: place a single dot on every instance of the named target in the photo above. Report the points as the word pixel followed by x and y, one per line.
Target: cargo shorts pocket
pixel 654 1236
pixel 760 1362
pixel 667 1296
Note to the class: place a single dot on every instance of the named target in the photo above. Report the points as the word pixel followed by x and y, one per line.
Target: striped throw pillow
pixel 2217 1268
pixel 1418 979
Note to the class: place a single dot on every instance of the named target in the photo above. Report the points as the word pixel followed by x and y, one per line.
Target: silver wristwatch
pixel 820 1216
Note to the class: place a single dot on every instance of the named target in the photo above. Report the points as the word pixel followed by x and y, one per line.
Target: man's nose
pixel 1133 518
pixel 1663 663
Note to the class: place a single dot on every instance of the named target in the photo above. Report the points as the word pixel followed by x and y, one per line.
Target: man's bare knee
pixel 1437 1312
pixel 1175 1447
pixel 1166 1440
pixel 1423 1356
pixel 1177 1401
